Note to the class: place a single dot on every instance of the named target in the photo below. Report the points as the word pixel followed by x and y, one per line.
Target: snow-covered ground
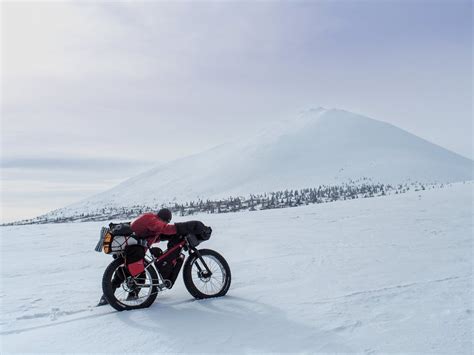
pixel 388 274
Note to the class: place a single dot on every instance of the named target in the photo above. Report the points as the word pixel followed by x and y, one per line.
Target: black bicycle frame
pixel 195 251
pixel 184 244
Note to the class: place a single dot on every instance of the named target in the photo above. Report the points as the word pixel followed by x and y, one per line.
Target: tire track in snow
pixel 55 313
pixel 54 322
pixel 383 289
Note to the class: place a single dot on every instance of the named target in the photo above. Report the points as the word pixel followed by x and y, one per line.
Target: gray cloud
pixel 185 77
pixel 80 164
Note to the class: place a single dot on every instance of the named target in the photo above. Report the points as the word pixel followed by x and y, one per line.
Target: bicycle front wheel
pixel 202 284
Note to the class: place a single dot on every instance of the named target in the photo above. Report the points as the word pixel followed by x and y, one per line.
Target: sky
pixel 95 92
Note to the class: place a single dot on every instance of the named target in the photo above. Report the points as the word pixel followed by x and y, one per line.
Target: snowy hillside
pixel 380 275
pixel 319 147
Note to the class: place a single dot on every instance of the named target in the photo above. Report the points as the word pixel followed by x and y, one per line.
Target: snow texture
pixel 319 147
pixel 379 275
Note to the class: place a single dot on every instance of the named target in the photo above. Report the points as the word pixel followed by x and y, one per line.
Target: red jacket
pixel 149 225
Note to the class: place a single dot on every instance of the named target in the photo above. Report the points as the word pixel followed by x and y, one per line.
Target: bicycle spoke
pixel 210 285
pixel 141 286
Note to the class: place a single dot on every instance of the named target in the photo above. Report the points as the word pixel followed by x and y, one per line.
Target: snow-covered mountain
pixel 319 147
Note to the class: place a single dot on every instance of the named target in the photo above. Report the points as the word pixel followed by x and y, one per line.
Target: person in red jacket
pixel 152 227
pixel 156 227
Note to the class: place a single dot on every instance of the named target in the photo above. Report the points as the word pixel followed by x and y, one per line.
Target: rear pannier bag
pixel 134 255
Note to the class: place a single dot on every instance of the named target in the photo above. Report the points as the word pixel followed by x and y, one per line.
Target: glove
pixel 207 233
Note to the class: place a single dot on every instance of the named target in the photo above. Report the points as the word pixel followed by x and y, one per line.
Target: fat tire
pixel 108 290
pixel 188 280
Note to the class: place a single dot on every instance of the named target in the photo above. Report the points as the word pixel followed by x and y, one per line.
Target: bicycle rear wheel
pixel 124 292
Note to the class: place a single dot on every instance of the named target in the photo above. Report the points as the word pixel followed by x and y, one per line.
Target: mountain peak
pixel 333 115
pixel 313 110
pixel 321 146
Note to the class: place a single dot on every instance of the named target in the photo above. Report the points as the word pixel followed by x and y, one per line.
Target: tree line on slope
pixel 253 202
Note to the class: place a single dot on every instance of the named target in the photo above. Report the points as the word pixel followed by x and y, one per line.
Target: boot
pixel 133 295
pixel 102 302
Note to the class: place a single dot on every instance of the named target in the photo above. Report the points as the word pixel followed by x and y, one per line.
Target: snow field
pixel 388 274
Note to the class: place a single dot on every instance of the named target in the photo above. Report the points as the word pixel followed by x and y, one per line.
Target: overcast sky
pixel 95 92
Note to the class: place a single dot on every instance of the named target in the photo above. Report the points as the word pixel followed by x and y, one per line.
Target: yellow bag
pixel 107 245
